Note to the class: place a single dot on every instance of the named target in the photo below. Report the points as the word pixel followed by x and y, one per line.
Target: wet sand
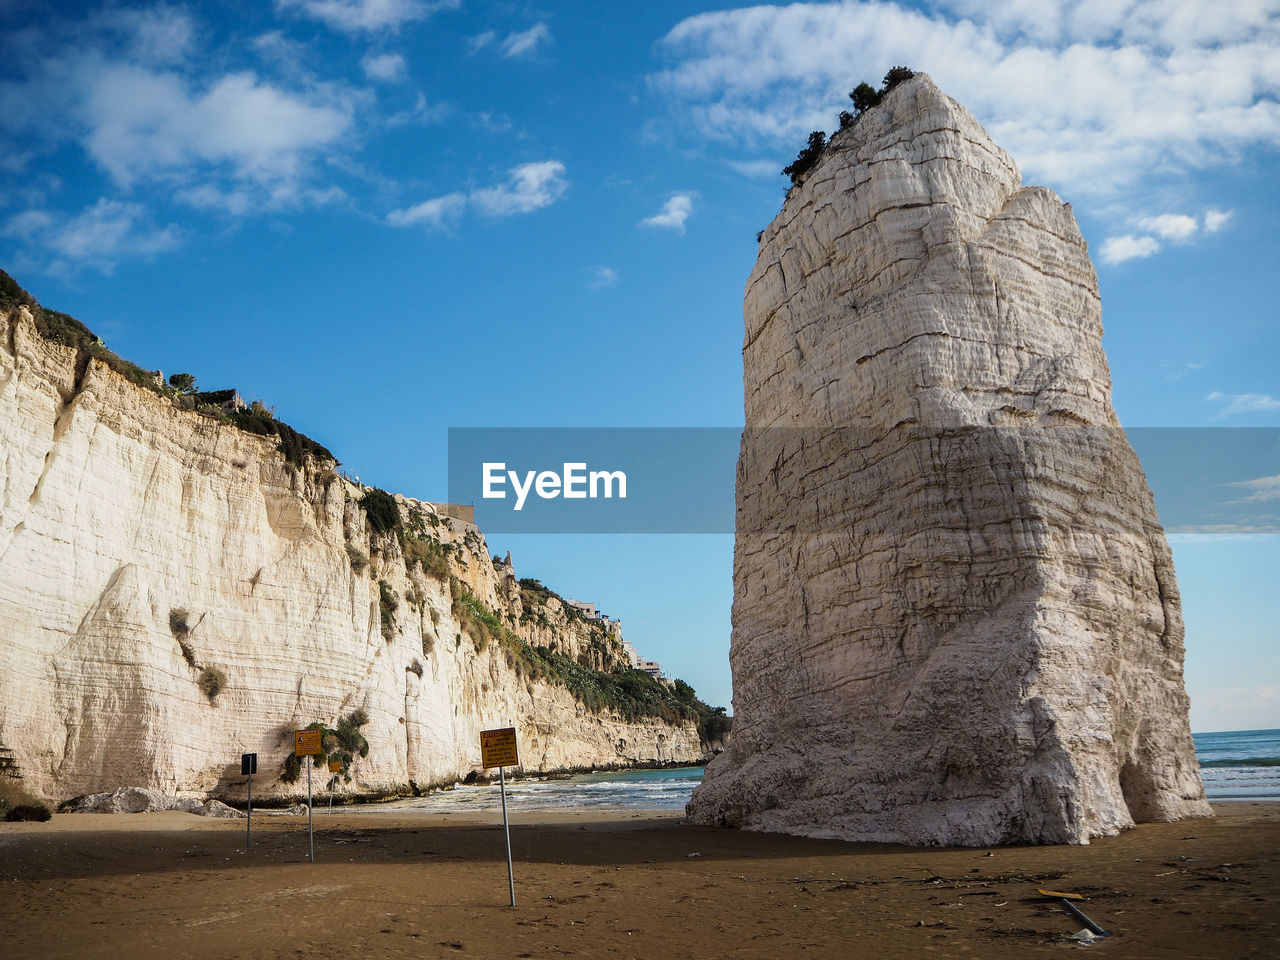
pixel 618 883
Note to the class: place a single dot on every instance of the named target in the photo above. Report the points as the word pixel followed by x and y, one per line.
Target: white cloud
pixel 480 41
pixel 354 16
pixel 602 277
pixel 1260 488
pixel 144 124
pixel 388 67
pixel 1215 220
pixel 436 212
pixel 672 215
pixel 529 187
pixel 1088 96
pixel 125 87
pixel 1171 226
pixel 762 169
pixel 99 237
pixel 421 112
pixel 519 44
pixel 1128 247
pixel 492 122
pixel 1233 404
pixel 1198 538
pixel 1263 526
pixel 282 54
pixel 241 200
pixel 160 35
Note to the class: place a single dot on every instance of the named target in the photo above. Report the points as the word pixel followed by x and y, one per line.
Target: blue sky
pixel 389 217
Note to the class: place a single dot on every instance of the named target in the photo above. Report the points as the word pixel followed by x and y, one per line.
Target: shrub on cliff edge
pixel 382 510
pixel 806 158
pixel 67 330
pixel 864 97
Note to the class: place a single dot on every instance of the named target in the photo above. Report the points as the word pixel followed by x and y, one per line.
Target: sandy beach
pixel 617 883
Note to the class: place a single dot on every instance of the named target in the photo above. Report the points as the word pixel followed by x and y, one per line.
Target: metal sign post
pixel 307 743
pixel 311 827
pixel 506 829
pixel 335 767
pixel 498 749
pixel 248 767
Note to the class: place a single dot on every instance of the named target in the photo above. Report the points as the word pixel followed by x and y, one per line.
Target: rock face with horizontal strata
pixel 955 616
pixel 141 544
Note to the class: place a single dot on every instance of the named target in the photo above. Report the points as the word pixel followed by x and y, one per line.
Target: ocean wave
pixel 1242 762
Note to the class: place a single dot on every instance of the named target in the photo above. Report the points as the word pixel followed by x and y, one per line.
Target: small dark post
pixel 248 767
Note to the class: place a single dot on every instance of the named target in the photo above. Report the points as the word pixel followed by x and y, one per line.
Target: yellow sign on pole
pixel 498 748
pixel 335 766
pixel 307 743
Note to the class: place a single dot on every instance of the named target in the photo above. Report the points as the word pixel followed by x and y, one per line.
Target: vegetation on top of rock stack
pixel 864 97
pixel 67 330
pixel 807 157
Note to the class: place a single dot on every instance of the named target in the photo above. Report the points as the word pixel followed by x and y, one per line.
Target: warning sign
pixel 335 766
pixel 498 748
pixel 307 743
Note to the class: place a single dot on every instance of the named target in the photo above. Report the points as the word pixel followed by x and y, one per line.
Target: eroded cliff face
pixel 955 615
pixel 142 545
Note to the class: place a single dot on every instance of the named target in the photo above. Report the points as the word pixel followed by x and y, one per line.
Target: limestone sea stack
pixel 955 617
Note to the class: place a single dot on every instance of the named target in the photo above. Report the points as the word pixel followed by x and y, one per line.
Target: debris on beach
pixel 141 800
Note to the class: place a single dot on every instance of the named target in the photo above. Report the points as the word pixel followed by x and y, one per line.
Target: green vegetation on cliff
pixel 343 743
pixel 864 97
pixel 599 678
pixel 619 689
pixel 67 330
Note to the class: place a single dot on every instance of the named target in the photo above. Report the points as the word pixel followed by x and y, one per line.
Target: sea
pixel 1239 765
pixel 666 789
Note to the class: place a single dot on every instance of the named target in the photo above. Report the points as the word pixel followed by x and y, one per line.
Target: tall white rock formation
pixel 955 616
pixel 142 545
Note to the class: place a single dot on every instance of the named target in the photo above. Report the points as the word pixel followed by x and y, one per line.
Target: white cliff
pixel 146 549
pixel 955 615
